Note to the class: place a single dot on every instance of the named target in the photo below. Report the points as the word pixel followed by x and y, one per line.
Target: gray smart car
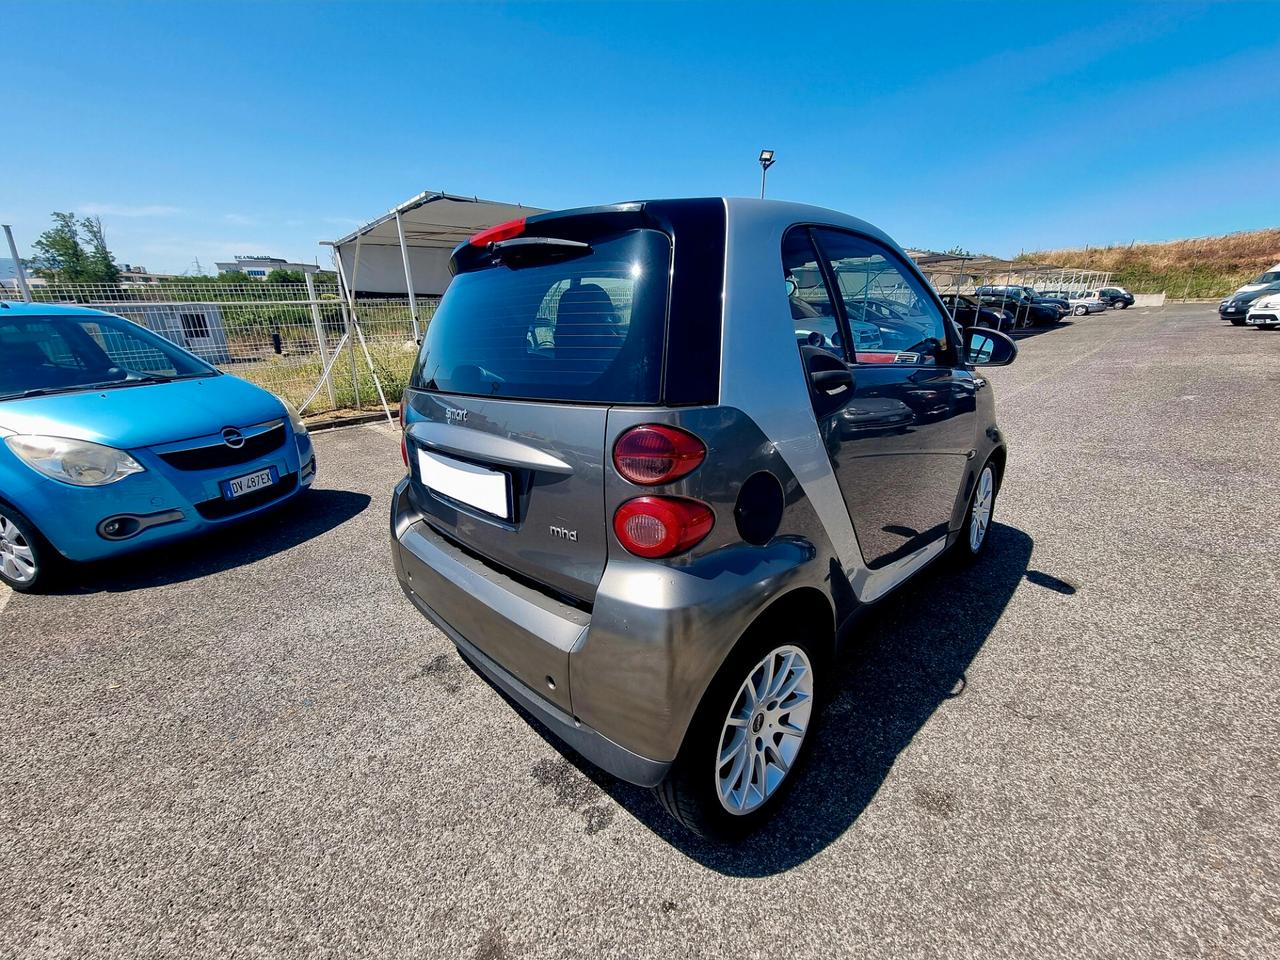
pixel 659 454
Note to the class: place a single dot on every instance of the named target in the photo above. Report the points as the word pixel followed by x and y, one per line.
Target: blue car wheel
pixel 27 562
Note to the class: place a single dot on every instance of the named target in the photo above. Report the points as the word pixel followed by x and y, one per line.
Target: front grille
pixel 220 509
pixel 218 454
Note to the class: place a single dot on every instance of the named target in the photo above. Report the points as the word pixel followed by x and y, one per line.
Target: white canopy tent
pixel 406 250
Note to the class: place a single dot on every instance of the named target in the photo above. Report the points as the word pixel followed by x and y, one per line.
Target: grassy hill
pixel 1203 267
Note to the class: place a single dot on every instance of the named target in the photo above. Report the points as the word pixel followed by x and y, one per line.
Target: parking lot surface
pixel 254 745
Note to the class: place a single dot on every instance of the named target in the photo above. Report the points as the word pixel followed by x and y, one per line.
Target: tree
pixel 99 262
pixel 957 251
pixel 61 253
pixel 279 275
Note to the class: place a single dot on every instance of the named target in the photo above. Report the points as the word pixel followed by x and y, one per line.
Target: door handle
pixel 831 381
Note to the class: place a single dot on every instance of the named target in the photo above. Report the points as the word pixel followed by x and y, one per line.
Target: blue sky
pixel 204 131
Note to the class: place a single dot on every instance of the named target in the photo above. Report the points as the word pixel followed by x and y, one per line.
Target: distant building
pixel 259 267
pixel 9 279
pixel 198 327
pixel 135 275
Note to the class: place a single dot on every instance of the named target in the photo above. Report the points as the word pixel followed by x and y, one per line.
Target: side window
pixel 812 314
pixel 195 326
pixel 892 318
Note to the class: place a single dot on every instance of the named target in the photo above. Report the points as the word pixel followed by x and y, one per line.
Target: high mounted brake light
pixel 503 231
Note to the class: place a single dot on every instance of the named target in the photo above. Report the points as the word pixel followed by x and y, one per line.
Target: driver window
pixel 891 317
pixel 812 314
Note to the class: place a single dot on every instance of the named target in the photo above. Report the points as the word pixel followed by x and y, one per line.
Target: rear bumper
pixel 592 744
pixel 620 683
pixel 480 610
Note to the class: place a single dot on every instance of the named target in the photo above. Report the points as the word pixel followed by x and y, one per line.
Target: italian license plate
pixel 469 483
pixel 1257 320
pixel 249 483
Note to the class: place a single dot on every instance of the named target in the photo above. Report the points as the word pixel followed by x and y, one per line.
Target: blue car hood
pixel 130 417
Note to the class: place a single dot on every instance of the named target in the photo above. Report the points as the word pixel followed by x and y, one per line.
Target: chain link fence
pixel 277 335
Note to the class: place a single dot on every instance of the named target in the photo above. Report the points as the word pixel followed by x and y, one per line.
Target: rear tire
pixel 975 533
pixel 741 753
pixel 28 563
pixel 1081 310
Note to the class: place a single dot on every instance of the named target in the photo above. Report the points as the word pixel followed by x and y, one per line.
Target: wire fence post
pixel 318 323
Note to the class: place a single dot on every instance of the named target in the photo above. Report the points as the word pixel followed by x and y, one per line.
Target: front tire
pixel 1237 321
pixel 748 737
pixel 28 563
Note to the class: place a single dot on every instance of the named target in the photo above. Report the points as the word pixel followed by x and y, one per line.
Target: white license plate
pixel 249 483
pixel 1257 320
pixel 476 486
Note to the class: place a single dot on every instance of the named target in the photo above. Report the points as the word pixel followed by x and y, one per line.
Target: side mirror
pixel 988 348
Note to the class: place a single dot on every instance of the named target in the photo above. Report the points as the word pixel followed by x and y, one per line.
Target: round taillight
pixel 653 454
pixel 661 526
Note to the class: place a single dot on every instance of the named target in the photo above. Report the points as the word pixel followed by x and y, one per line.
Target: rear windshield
pixel 588 329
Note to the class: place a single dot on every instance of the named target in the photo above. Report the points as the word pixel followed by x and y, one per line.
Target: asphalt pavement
pixel 254 746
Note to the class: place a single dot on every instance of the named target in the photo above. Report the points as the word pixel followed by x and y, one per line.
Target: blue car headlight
pixel 295 418
pixel 79 462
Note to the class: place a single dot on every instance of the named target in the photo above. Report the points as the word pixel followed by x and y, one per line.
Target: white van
pixel 1260 281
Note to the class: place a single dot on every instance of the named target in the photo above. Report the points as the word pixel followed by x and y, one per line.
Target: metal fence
pixel 281 336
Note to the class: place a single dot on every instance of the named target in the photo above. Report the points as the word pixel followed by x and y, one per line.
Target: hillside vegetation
pixel 1203 267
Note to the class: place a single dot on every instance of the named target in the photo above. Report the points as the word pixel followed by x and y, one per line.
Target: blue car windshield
pixel 64 352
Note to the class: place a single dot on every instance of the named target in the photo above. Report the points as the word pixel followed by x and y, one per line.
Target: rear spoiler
pixel 581 225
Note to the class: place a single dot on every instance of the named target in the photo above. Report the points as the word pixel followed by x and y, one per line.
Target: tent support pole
pixel 408 280
pixel 17 265
pixel 319 328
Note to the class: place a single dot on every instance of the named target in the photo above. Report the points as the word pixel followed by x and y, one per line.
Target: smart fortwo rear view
pixel 659 454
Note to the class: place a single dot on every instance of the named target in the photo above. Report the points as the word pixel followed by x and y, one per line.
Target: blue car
pixel 112 439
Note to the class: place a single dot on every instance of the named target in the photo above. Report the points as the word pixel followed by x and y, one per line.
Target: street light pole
pixel 766 161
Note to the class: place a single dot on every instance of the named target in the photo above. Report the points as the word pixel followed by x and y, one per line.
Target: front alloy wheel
pixel 18 565
pixel 764 730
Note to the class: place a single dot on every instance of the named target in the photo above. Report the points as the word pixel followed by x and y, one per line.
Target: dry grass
pixel 1202 267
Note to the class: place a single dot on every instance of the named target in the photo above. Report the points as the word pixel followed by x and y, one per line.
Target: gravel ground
pixel 257 747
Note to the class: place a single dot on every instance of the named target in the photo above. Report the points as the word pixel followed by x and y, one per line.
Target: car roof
pixel 14 308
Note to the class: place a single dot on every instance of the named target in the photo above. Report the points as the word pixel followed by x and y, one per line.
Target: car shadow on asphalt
pixel 235 545
pixel 908 656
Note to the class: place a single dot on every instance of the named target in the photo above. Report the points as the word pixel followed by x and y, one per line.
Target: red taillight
pixel 661 526
pixel 503 231
pixel 654 454
pixel 404 450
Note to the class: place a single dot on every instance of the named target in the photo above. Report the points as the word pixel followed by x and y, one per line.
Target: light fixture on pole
pixel 766 161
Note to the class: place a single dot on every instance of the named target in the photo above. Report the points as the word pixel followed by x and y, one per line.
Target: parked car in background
pixel 1085 302
pixel 1058 303
pixel 1263 279
pixel 969 313
pixel 1117 297
pixel 115 439
pixel 1265 312
pixel 654 535
pixel 1236 307
pixel 1014 299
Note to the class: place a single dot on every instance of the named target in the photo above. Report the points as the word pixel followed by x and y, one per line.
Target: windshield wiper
pixel 38 392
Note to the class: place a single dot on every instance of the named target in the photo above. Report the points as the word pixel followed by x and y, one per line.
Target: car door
pixel 900 440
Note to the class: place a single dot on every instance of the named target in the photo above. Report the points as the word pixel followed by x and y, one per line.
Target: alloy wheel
pixel 764 729
pixel 17 559
pixel 980 516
